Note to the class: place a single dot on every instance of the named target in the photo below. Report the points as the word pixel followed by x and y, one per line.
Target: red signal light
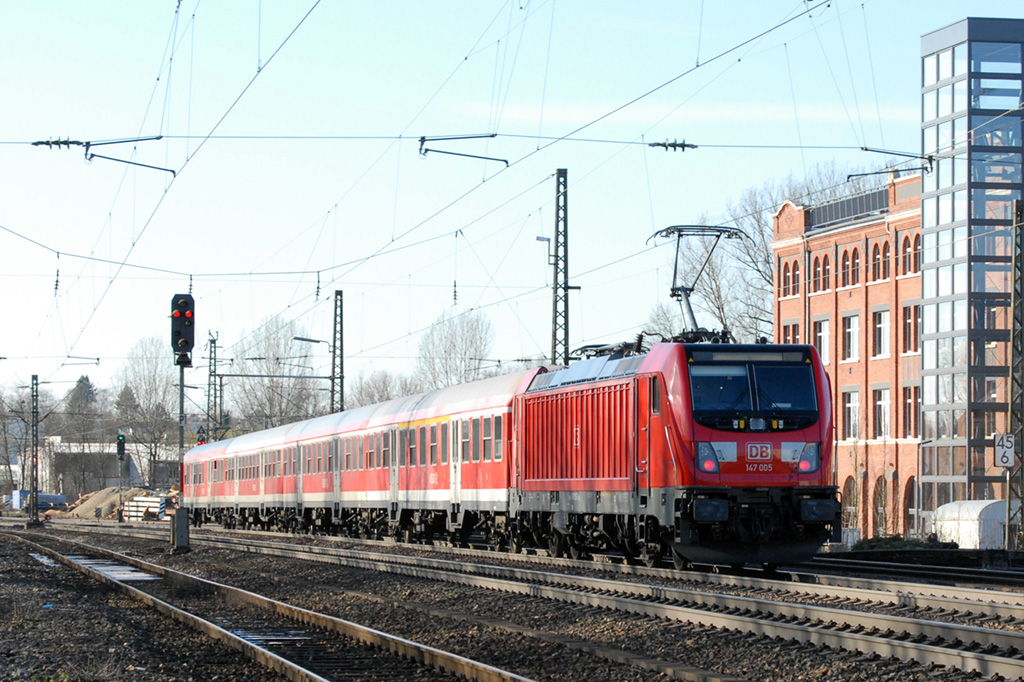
pixel 188 313
pixel 176 313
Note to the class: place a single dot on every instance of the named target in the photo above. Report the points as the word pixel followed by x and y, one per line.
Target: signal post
pixel 183 339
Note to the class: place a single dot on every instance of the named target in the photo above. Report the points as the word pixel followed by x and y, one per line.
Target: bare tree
pixel 146 400
pixel 278 387
pixel 454 350
pixel 378 386
pixel 753 214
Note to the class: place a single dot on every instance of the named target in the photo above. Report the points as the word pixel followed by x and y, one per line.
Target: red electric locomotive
pixel 709 453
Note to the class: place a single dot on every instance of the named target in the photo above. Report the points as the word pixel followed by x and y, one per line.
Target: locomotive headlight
pixel 810 460
pixel 707 460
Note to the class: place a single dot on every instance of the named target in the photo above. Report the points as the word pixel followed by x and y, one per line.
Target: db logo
pixel 759 452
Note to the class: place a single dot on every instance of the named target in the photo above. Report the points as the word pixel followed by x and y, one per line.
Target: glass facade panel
pixel 959 241
pixel 995 167
pixel 960 207
pixel 960 98
pixel 993 204
pixel 946 102
pixel 991 240
pixel 995 131
pixel 960 136
pixel 946 64
pixel 929 70
pixel 960 59
pixel 995 58
pixel 990 277
pixel 990 93
pixel 929 103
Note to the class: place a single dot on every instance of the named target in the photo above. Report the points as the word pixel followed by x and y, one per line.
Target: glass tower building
pixel 971 142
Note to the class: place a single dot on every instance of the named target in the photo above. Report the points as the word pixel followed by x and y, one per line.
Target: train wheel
pixel 515 545
pixel 576 552
pixel 679 562
pixel 556 544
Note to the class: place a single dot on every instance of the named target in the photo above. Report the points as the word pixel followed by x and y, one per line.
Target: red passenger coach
pixel 709 453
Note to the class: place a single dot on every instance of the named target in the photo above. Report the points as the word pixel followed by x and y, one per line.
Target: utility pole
pixel 1014 472
pixel 34 493
pixel 560 286
pixel 338 356
pixel 212 385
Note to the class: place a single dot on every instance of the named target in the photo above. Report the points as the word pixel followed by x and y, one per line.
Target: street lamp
pixel 337 377
pixel 917 515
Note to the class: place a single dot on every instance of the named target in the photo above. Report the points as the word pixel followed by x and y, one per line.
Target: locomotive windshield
pixel 770 383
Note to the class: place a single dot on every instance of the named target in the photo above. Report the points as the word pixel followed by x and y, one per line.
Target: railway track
pixel 871 621
pixel 298 643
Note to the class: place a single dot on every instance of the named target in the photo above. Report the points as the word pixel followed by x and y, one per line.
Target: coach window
pixel 402 445
pixel 368 445
pixel 423 446
pixel 410 437
pixel 464 430
pixel 385 449
pixel 488 440
pixel 295 459
pixel 359 453
pixel 475 423
pixel 433 444
pixel 499 438
pixel 444 443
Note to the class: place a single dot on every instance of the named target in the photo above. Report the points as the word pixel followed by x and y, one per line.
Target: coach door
pixel 455 457
pixel 642 408
pixel 391 442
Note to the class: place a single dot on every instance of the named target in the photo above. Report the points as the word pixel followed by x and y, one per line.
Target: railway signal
pixel 120 447
pixel 183 327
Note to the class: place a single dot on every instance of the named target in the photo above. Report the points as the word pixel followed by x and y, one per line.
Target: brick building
pixel 848 281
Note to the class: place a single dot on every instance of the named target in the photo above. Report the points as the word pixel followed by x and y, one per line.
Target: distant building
pixel 905 290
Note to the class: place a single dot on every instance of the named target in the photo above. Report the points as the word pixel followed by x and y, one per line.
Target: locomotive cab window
pixel 655 396
pixel 756 389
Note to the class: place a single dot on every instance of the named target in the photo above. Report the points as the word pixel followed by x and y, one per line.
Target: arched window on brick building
pixel 785 279
pixel 907 257
pixel 855 268
pixel 796 277
pixel 876 263
pixel 885 261
pixel 917 253
pixel 816 278
pixel 826 275
pixel 844 273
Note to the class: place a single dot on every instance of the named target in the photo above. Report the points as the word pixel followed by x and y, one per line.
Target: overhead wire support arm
pixel 424 140
pixel 58 143
pixel 929 159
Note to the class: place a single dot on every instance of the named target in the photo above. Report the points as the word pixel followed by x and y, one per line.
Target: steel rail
pixel 869 633
pixel 981 603
pixel 436 658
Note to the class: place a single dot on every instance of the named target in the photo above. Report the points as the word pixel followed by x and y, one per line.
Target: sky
pixel 289 160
